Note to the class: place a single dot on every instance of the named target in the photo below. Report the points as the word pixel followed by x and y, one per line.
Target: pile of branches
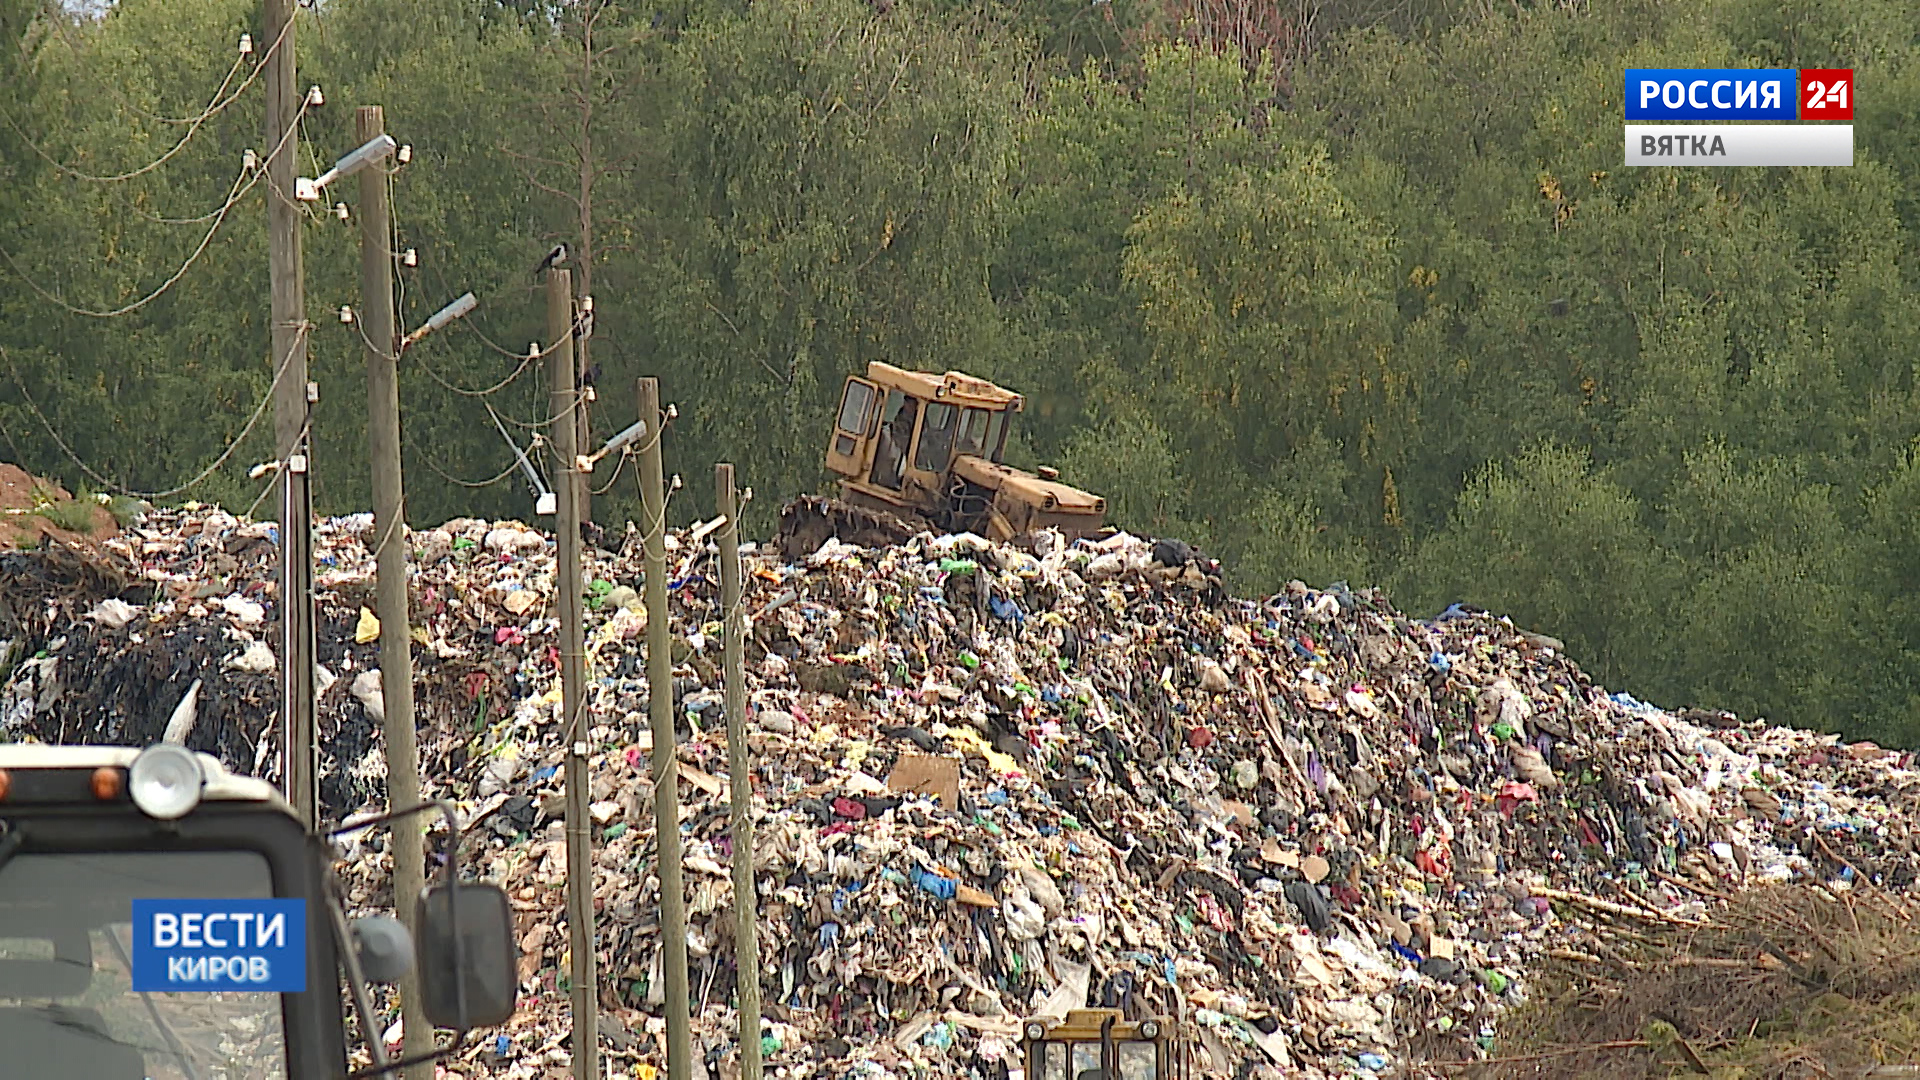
pixel 50 586
pixel 1786 982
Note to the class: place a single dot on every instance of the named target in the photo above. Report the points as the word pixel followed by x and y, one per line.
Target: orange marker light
pixel 107 783
pixel 5 783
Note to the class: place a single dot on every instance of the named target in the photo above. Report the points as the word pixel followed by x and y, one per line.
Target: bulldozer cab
pixel 896 426
pixel 1099 1044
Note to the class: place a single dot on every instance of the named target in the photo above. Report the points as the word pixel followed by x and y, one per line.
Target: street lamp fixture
pixel 545 502
pixel 375 149
pixel 586 462
pixel 441 318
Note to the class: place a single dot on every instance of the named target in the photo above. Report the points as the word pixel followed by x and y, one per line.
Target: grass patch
pixel 71 515
pixel 126 510
pixel 74 516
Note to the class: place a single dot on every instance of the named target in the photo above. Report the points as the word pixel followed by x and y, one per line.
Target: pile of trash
pixel 1328 838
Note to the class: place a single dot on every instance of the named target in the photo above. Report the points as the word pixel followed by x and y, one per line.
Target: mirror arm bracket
pixel 356 981
pixel 450 877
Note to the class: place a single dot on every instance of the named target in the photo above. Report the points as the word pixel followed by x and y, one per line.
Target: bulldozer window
pixel 974 426
pixel 855 406
pixel 997 427
pixel 936 438
pixel 1138 1060
pixel 1071 1061
pixel 890 458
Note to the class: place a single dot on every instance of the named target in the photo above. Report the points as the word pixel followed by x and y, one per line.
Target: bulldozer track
pixel 806 523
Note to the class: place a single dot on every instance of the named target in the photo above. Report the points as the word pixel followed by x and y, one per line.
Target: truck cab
pixel 1101 1044
pixel 123 870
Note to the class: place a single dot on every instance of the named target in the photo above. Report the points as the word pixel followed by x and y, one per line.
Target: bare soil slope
pixel 32 508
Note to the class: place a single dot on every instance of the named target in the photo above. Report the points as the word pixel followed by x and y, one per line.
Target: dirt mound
pixel 32 508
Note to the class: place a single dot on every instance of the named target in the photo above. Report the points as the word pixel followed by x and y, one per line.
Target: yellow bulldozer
pixel 917 451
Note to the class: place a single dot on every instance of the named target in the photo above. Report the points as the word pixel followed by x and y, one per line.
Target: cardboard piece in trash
pixel 1271 851
pixel 927 774
pixel 973 897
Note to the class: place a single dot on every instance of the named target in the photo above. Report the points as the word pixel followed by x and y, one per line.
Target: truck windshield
pixel 1072 1061
pixel 67 1003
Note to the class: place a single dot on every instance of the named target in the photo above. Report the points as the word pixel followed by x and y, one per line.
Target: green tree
pixel 1564 549
pixel 835 201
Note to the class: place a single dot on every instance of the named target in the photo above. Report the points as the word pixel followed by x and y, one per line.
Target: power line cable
pixel 214 108
pixel 63 25
pixel 625 453
pixel 205 242
pixel 491 390
pixel 472 324
pixel 579 396
pixel 65 30
pixel 376 350
pixel 452 479
pixel 94 475
pixel 158 219
pixel 150 166
pixel 393 246
pixel 306 428
pixel 526 360
pixel 260 498
pixel 496 346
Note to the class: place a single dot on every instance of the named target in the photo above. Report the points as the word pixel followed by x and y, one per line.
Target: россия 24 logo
pixel 1670 94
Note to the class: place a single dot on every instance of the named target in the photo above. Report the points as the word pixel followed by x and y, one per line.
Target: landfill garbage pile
pixel 1330 839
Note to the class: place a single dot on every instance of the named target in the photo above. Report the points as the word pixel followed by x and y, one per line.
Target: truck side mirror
pixel 474 983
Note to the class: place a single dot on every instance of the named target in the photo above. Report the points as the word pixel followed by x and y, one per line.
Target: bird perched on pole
pixel 554 258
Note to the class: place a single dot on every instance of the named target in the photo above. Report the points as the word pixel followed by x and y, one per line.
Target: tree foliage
pixel 1351 291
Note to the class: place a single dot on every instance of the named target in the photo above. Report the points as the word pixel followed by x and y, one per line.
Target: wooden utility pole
pixel 664 759
pixel 390 562
pixel 291 405
pixel 584 395
pixel 746 898
pixel 586 981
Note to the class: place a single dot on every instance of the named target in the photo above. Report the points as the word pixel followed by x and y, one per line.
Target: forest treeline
pixel 1339 290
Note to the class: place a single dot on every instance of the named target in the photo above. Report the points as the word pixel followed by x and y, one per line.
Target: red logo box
pixel 1826 93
